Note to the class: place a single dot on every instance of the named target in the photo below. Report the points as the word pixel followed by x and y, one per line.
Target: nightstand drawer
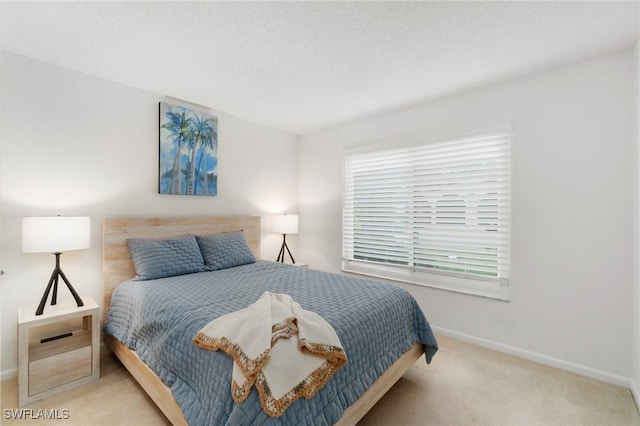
pixel 47 373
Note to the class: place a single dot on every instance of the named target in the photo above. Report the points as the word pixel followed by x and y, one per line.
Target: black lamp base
pixel 282 249
pixel 53 282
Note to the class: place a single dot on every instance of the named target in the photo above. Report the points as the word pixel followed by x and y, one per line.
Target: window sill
pixel 458 285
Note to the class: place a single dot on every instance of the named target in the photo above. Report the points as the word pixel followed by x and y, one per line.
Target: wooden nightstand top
pixel 66 307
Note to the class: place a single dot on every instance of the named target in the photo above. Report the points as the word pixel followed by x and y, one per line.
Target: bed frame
pixel 117 267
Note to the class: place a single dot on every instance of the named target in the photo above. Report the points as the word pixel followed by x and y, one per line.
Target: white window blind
pixel 434 214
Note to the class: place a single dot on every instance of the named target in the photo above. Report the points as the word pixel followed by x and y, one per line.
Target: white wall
pixel 571 284
pixel 73 144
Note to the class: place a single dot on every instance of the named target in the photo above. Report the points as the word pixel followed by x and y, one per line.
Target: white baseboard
pixel 8 374
pixel 635 391
pixel 543 359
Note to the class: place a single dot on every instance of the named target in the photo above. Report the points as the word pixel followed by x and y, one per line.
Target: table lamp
pixel 285 224
pixel 56 234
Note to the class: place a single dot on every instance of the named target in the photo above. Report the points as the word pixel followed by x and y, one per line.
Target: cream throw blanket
pixel 286 351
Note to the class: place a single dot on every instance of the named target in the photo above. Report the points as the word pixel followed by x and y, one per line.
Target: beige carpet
pixel 464 385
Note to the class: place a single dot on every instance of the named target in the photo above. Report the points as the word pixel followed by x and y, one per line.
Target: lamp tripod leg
pixel 282 249
pixel 288 251
pixel 77 298
pixel 281 254
pixel 53 281
pixel 45 296
pixel 54 295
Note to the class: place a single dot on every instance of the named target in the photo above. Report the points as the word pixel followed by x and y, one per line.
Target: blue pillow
pixel 159 258
pixel 226 250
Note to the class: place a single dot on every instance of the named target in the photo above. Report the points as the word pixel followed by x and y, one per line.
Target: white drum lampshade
pixel 55 234
pixel 286 224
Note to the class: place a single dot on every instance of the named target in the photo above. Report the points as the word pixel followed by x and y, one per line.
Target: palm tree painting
pixel 188 151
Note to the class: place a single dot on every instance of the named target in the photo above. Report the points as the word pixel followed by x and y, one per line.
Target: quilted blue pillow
pixel 226 250
pixel 159 258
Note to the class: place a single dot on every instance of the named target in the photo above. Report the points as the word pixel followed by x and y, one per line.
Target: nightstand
pixel 57 350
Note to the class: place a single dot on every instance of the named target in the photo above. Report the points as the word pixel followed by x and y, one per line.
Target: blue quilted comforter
pixel 376 323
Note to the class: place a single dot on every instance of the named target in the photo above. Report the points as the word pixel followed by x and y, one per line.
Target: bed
pixel 192 386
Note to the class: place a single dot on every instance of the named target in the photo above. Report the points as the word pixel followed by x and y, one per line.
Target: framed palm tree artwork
pixel 188 151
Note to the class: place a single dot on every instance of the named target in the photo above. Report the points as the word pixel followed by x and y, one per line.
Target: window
pixel 434 214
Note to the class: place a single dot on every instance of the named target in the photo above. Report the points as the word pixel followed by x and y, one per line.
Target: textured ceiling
pixel 305 66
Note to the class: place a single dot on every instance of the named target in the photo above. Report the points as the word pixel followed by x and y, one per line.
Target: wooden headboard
pixel 116 260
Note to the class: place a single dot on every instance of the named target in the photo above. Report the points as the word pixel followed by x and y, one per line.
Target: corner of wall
pixel 635 388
